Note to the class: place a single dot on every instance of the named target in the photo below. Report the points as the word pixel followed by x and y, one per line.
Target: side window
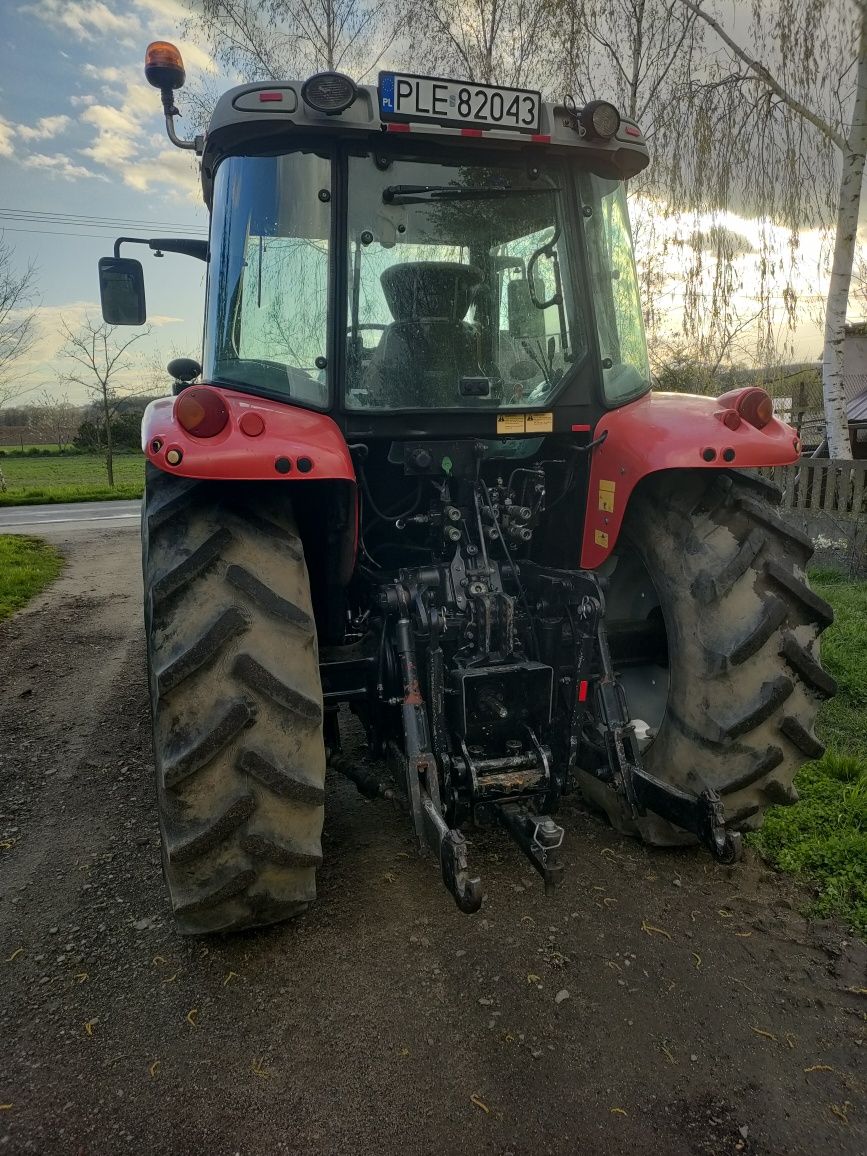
pixel 275 320
pixel 268 279
pixel 618 305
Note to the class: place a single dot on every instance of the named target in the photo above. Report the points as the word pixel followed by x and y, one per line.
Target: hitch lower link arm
pixel 420 769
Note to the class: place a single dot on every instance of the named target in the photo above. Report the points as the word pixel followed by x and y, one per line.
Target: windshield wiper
pixel 419 194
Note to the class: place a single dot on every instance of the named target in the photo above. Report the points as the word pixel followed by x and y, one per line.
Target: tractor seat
pixel 429 347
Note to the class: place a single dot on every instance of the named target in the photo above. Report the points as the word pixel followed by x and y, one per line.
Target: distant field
pixel 69 478
pixel 17 448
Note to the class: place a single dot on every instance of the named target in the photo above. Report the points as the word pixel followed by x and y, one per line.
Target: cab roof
pixel 254 117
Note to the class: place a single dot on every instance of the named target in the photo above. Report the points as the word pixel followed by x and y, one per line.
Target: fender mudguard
pixel 292 445
pixel 287 432
pixel 668 431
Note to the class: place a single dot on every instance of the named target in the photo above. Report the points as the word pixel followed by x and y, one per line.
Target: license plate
pixel 426 98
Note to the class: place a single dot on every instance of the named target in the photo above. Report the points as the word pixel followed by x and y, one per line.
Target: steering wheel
pixel 549 250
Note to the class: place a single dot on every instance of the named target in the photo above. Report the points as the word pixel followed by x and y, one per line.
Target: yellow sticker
pixel 601 539
pixel 606 496
pixel 510 423
pixel 540 423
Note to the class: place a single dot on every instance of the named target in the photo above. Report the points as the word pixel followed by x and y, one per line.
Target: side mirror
pixel 122 291
pixel 525 318
pixel 184 371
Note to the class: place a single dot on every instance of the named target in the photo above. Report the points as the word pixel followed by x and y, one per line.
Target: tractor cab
pixel 368 263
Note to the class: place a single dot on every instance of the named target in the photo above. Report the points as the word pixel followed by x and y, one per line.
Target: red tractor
pixel 424 480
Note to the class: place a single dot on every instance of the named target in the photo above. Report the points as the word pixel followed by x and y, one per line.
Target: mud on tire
pixel 743 629
pixel 236 699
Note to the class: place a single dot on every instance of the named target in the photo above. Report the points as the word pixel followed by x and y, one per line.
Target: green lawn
pixel 823 838
pixel 69 478
pixel 26 566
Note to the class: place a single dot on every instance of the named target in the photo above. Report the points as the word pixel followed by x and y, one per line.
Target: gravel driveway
pixel 659 1004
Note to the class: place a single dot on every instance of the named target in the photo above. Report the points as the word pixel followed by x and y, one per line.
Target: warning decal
pixel 606 496
pixel 531 423
pixel 540 423
pixel 510 423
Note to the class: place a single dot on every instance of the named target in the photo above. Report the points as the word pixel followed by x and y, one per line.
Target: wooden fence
pixel 818 485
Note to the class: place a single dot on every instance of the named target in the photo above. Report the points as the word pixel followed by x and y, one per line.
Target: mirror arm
pixel 132 241
pixel 182 245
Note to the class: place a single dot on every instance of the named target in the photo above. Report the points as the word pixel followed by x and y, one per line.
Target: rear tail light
pixel 201 411
pixel 756 406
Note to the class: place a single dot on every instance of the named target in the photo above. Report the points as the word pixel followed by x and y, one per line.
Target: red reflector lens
pixel 265 97
pixel 252 425
pixel 731 419
pixel 756 406
pixel 582 690
pixel 202 412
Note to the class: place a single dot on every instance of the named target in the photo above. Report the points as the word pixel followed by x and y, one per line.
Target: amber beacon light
pixel 164 66
pixel 164 69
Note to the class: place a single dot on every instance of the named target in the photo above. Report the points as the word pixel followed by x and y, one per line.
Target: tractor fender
pixel 311 442
pixel 668 431
pixel 282 443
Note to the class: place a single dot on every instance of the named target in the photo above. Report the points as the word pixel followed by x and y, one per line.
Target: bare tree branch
pixel 17 322
pixel 762 74
pixel 102 358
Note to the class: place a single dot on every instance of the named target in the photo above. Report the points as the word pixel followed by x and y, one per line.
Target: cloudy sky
pixel 81 141
pixel 84 156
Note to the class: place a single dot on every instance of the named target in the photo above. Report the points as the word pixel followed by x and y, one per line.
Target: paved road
pixel 659 1005
pixel 70 519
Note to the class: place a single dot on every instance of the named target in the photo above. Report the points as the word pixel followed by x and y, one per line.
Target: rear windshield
pixel 460 289
pixel 463 284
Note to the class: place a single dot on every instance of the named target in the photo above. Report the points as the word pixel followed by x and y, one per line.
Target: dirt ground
pixel 657 1005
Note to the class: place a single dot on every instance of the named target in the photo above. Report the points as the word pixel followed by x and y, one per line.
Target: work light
pixel 599 119
pixel 329 92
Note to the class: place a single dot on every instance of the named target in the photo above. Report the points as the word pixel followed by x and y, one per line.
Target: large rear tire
pixel 742 630
pixel 236 701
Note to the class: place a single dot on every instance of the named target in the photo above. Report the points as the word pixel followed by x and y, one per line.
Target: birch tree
pixel 795 92
pixel 287 39
pixel 636 53
pixel 489 41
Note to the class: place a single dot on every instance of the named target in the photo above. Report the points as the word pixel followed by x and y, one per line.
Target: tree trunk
pixel 836 424
pixel 109 463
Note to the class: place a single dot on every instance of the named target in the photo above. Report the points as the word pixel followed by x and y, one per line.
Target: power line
pixel 60 216
pixel 96 230
pixel 92 236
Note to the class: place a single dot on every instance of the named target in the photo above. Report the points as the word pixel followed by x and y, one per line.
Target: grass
pixel 823 838
pixel 17 449
pixel 69 478
pixel 27 565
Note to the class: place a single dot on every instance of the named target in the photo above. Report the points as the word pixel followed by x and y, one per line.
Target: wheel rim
pixel 639 639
